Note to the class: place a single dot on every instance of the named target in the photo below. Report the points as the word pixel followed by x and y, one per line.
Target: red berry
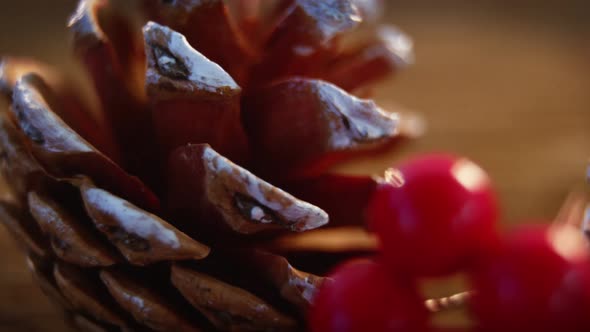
pixel 363 297
pixel 534 284
pixel 433 215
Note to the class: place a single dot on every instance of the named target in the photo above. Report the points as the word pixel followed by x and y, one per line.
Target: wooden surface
pixel 509 89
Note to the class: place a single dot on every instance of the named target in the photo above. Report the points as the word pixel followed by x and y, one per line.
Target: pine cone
pixel 144 212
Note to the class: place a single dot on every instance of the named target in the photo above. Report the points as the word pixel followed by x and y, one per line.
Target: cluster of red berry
pixel 436 215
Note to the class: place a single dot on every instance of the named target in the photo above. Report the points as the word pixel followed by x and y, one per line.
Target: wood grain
pixel 509 89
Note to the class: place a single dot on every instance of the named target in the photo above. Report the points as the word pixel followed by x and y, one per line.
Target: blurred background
pixel 506 83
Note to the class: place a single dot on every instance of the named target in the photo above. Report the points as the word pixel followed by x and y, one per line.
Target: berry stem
pixel 455 301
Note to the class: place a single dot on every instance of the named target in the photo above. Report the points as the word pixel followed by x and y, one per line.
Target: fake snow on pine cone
pixel 197 193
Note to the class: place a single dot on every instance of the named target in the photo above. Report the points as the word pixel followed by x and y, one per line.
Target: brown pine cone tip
pixel 148 211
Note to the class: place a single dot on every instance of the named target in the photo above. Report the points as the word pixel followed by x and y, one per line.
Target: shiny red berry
pixel 433 214
pixel 362 296
pixel 537 281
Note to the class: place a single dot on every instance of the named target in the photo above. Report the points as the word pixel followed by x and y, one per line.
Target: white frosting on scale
pixel 204 73
pixel 57 136
pixel 295 210
pixel 345 105
pixel 131 219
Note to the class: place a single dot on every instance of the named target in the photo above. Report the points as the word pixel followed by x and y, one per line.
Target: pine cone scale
pixel 70 240
pixel 143 238
pixel 87 294
pixel 216 299
pixel 192 199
